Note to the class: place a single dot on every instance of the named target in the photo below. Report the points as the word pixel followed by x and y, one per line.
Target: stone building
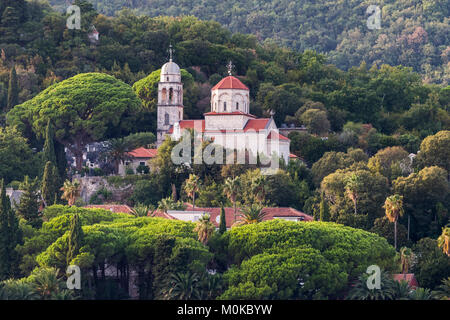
pixel 229 123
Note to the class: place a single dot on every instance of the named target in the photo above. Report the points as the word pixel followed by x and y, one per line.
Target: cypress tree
pixel 61 162
pixel 13 89
pixel 10 237
pixel 324 209
pixel 223 222
pixel 50 184
pixel 28 207
pixel 49 148
pixel 76 238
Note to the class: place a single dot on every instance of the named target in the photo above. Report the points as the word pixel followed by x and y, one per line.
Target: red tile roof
pixel 230 82
pixel 292 156
pixel 190 124
pixel 116 208
pixel 275 135
pixel 408 277
pixel 271 213
pixel 143 153
pixel 256 124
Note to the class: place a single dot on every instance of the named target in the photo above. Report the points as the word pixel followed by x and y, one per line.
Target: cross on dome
pixel 230 67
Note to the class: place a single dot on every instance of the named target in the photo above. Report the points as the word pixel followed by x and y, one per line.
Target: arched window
pixel 170 95
pixel 164 95
pixel 237 105
pixel 215 106
pixel 167 79
pixel 166 119
pixel 224 106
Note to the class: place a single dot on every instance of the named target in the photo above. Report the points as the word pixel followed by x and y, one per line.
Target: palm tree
pixel 231 188
pixel 183 287
pixel 142 210
pixel 394 209
pixel 360 291
pixel 117 152
pixel 46 282
pixel 165 204
pixel 444 240
pixel 352 187
pixel 17 290
pixel 421 294
pixel 71 190
pixel 406 257
pixel 251 214
pixel 259 187
pixel 192 186
pixel 443 290
pixel 205 228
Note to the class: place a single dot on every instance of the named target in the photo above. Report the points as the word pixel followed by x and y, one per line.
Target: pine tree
pixel 48 153
pixel 28 207
pixel 223 222
pixel 13 89
pixel 10 237
pixel 324 209
pixel 76 238
pixel 50 184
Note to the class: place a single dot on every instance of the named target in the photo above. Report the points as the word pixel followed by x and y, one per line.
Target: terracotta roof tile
pixel 143 153
pixel 116 208
pixel 271 213
pixel 275 135
pixel 230 82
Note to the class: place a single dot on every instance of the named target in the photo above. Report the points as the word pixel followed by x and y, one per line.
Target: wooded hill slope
pixel 413 33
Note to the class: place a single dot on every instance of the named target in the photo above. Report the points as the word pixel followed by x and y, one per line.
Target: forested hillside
pixel 413 33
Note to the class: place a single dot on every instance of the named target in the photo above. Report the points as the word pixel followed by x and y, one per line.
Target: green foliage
pixel 422 191
pixel 75 238
pixel 223 222
pixel 89 107
pixel 10 237
pixel 50 183
pixel 432 265
pixel 434 150
pixel 360 291
pixel 352 249
pixel 293 273
pixel 13 89
pixel 28 207
pixel 16 157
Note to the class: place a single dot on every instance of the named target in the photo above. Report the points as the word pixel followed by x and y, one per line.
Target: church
pixel 229 123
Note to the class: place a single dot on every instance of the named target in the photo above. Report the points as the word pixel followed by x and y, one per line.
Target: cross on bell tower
pixel 171 51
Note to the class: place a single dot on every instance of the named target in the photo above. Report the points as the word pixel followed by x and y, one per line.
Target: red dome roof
pixel 230 82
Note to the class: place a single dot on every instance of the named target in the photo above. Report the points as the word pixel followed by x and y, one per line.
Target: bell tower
pixel 170 98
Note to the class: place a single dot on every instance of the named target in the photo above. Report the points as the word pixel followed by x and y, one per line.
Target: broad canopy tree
pixel 85 108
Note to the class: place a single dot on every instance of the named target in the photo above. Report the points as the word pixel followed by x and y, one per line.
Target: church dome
pixel 230 82
pixel 170 68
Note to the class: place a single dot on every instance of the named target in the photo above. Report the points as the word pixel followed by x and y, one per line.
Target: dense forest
pixel 413 33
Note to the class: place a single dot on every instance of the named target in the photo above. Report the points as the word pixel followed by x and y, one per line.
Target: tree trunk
pixel 235 211
pixel 409 222
pixel 193 200
pixel 395 235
